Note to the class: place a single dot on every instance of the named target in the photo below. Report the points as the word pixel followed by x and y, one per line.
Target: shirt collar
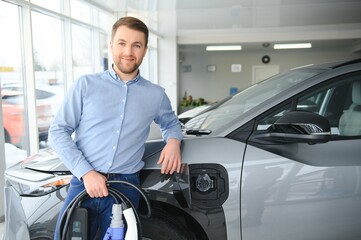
pixel 115 76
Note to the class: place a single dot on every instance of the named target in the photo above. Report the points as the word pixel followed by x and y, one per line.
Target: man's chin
pixel 129 70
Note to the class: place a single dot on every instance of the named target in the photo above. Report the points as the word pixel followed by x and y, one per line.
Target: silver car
pixel 279 160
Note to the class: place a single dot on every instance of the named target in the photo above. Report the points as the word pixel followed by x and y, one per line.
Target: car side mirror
pixel 300 126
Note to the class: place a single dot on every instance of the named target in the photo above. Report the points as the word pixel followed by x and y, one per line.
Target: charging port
pixel 209 185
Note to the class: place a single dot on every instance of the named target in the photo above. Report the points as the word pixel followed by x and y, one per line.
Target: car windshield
pixel 249 98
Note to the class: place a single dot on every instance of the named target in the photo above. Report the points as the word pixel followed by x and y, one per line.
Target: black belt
pixel 108 175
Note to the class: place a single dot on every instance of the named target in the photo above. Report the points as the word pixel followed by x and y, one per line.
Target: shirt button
pixel 114 147
pixel 123 100
pixel 121 116
pixel 109 163
pixel 117 131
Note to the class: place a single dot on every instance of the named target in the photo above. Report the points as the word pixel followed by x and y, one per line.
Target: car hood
pixel 44 161
pixel 37 168
pixel 48 162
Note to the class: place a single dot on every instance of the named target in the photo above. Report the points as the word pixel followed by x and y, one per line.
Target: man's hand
pixel 95 184
pixel 170 157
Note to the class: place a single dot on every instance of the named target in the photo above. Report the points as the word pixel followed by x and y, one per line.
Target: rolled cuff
pixel 81 169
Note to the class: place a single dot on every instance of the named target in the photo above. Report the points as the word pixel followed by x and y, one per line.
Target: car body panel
pixel 205 151
pixel 286 199
pixel 16 221
pixel 13 120
pixel 24 184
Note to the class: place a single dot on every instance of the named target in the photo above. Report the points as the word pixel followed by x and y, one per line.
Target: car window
pixel 254 96
pixel 339 101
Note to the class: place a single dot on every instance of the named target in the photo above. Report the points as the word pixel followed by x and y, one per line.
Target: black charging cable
pixel 113 192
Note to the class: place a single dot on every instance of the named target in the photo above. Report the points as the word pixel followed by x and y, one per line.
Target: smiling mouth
pixel 128 59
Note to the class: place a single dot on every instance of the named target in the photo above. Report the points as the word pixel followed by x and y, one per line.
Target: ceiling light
pixel 292 46
pixel 224 48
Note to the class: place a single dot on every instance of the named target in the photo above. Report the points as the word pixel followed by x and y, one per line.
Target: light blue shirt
pixel 111 121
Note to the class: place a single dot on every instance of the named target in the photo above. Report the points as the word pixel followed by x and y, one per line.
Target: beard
pixel 128 69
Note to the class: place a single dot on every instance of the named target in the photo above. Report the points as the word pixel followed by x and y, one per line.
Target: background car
pixel 191 113
pixel 14 114
pixel 278 160
pixel 184 117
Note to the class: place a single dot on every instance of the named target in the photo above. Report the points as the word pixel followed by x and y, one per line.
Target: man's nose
pixel 128 50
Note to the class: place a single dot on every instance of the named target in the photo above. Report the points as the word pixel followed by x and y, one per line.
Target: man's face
pixel 128 49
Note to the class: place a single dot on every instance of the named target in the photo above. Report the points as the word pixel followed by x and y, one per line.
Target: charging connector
pixel 116 229
pixel 132 231
pixel 117 218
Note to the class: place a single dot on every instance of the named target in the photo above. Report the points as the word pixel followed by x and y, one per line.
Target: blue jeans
pixel 100 209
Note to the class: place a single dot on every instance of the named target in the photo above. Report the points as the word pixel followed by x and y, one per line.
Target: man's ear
pixel 145 51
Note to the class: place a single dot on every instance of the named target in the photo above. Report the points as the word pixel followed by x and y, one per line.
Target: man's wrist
pixel 174 141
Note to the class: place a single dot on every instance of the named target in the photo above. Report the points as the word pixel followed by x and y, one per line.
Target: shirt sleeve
pixel 62 128
pixel 167 121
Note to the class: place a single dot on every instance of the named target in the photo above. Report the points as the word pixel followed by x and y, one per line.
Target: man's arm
pixel 170 157
pixel 62 128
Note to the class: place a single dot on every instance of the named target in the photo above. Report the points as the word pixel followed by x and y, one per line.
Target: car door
pixel 297 190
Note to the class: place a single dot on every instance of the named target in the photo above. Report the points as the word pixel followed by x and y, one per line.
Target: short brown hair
pixel 132 23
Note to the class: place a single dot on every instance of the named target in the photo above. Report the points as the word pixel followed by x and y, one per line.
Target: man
pixel 110 114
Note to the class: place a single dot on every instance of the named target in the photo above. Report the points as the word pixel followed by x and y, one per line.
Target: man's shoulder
pixel 93 77
pixel 96 75
pixel 150 84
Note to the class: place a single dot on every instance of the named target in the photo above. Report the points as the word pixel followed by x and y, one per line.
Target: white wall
pixel 213 86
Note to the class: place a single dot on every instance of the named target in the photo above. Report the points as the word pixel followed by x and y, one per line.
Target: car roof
pixel 330 65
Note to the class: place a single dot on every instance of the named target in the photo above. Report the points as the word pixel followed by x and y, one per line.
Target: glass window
pixel 104 46
pixel 80 11
pixel 339 101
pixel 152 64
pixel 48 68
pixel 105 21
pixel 53 5
pixel 10 46
pixel 256 95
pixel 149 67
pixel 12 100
pixel 82 50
